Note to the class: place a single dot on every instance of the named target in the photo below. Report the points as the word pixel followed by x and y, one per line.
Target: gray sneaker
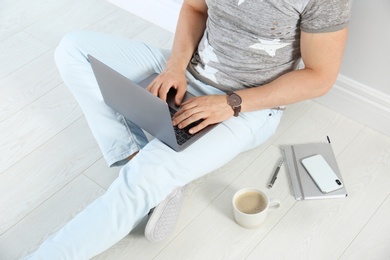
pixel 163 217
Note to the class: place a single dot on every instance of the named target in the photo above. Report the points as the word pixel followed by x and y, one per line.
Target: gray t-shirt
pixel 249 43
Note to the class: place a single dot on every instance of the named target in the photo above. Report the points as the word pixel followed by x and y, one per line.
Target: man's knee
pixel 69 47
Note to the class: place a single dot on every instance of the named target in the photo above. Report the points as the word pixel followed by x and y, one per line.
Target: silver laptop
pixel 141 107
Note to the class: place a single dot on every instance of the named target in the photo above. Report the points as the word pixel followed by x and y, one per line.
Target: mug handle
pixel 273 204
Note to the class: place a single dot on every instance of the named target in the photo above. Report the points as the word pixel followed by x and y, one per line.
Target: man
pixel 240 58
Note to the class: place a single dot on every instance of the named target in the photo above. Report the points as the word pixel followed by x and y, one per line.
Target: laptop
pixel 144 109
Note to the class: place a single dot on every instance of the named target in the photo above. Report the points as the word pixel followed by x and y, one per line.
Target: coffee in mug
pixel 250 207
pixel 251 202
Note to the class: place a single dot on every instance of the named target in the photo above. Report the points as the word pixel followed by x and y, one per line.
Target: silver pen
pixel 275 175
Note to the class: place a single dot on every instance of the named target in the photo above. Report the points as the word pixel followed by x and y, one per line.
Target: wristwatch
pixel 234 101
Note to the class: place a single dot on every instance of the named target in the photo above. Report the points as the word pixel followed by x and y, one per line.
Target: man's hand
pixel 169 78
pixel 212 109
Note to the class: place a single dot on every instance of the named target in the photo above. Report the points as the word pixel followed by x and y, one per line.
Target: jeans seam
pixel 130 133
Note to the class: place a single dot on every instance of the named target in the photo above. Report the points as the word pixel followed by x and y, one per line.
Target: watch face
pixel 234 100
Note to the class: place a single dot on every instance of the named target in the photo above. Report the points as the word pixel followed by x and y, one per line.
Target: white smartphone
pixel 322 174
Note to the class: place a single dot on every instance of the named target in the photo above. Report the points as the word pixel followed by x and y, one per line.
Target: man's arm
pixel 190 28
pixel 322 54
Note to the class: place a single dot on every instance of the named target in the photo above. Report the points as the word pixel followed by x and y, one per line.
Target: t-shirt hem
pixel 327 29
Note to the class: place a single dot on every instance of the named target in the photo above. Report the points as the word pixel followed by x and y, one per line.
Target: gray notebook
pixel 303 185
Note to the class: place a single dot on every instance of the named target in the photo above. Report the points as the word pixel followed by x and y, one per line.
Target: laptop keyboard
pixel 182 135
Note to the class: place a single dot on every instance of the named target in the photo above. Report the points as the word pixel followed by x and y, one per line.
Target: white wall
pixel 163 13
pixel 362 90
pixel 367 57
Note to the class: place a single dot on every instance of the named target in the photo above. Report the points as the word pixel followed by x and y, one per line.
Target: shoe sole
pixel 162 220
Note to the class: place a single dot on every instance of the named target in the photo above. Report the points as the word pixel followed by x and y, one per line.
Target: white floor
pixel 51 167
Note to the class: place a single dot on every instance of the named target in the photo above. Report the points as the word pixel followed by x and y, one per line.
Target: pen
pixel 275 176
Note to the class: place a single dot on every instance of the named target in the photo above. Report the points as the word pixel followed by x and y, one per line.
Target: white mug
pixel 250 207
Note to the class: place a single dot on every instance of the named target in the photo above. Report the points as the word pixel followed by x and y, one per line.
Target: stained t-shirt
pixel 249 43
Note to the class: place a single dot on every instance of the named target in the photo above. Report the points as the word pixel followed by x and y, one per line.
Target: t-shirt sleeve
pixel 326 16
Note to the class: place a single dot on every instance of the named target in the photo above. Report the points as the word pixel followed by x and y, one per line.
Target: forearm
pixel 189 30
pixel 290 88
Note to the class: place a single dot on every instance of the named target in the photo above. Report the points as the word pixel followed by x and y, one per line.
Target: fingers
pixel 159 89
pixel 203 124
pixel 185 117
pixel 161 85
pixel 180 95
pixel 187 109
pixel 206 109
pixel 191 113
pixel 196 120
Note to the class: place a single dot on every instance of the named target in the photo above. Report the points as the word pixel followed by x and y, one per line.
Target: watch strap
pixel 236 110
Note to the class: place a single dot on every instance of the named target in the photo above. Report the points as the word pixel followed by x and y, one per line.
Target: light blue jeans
pixel 150 176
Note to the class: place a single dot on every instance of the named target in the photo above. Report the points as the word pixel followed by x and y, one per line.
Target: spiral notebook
pixel 303 185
